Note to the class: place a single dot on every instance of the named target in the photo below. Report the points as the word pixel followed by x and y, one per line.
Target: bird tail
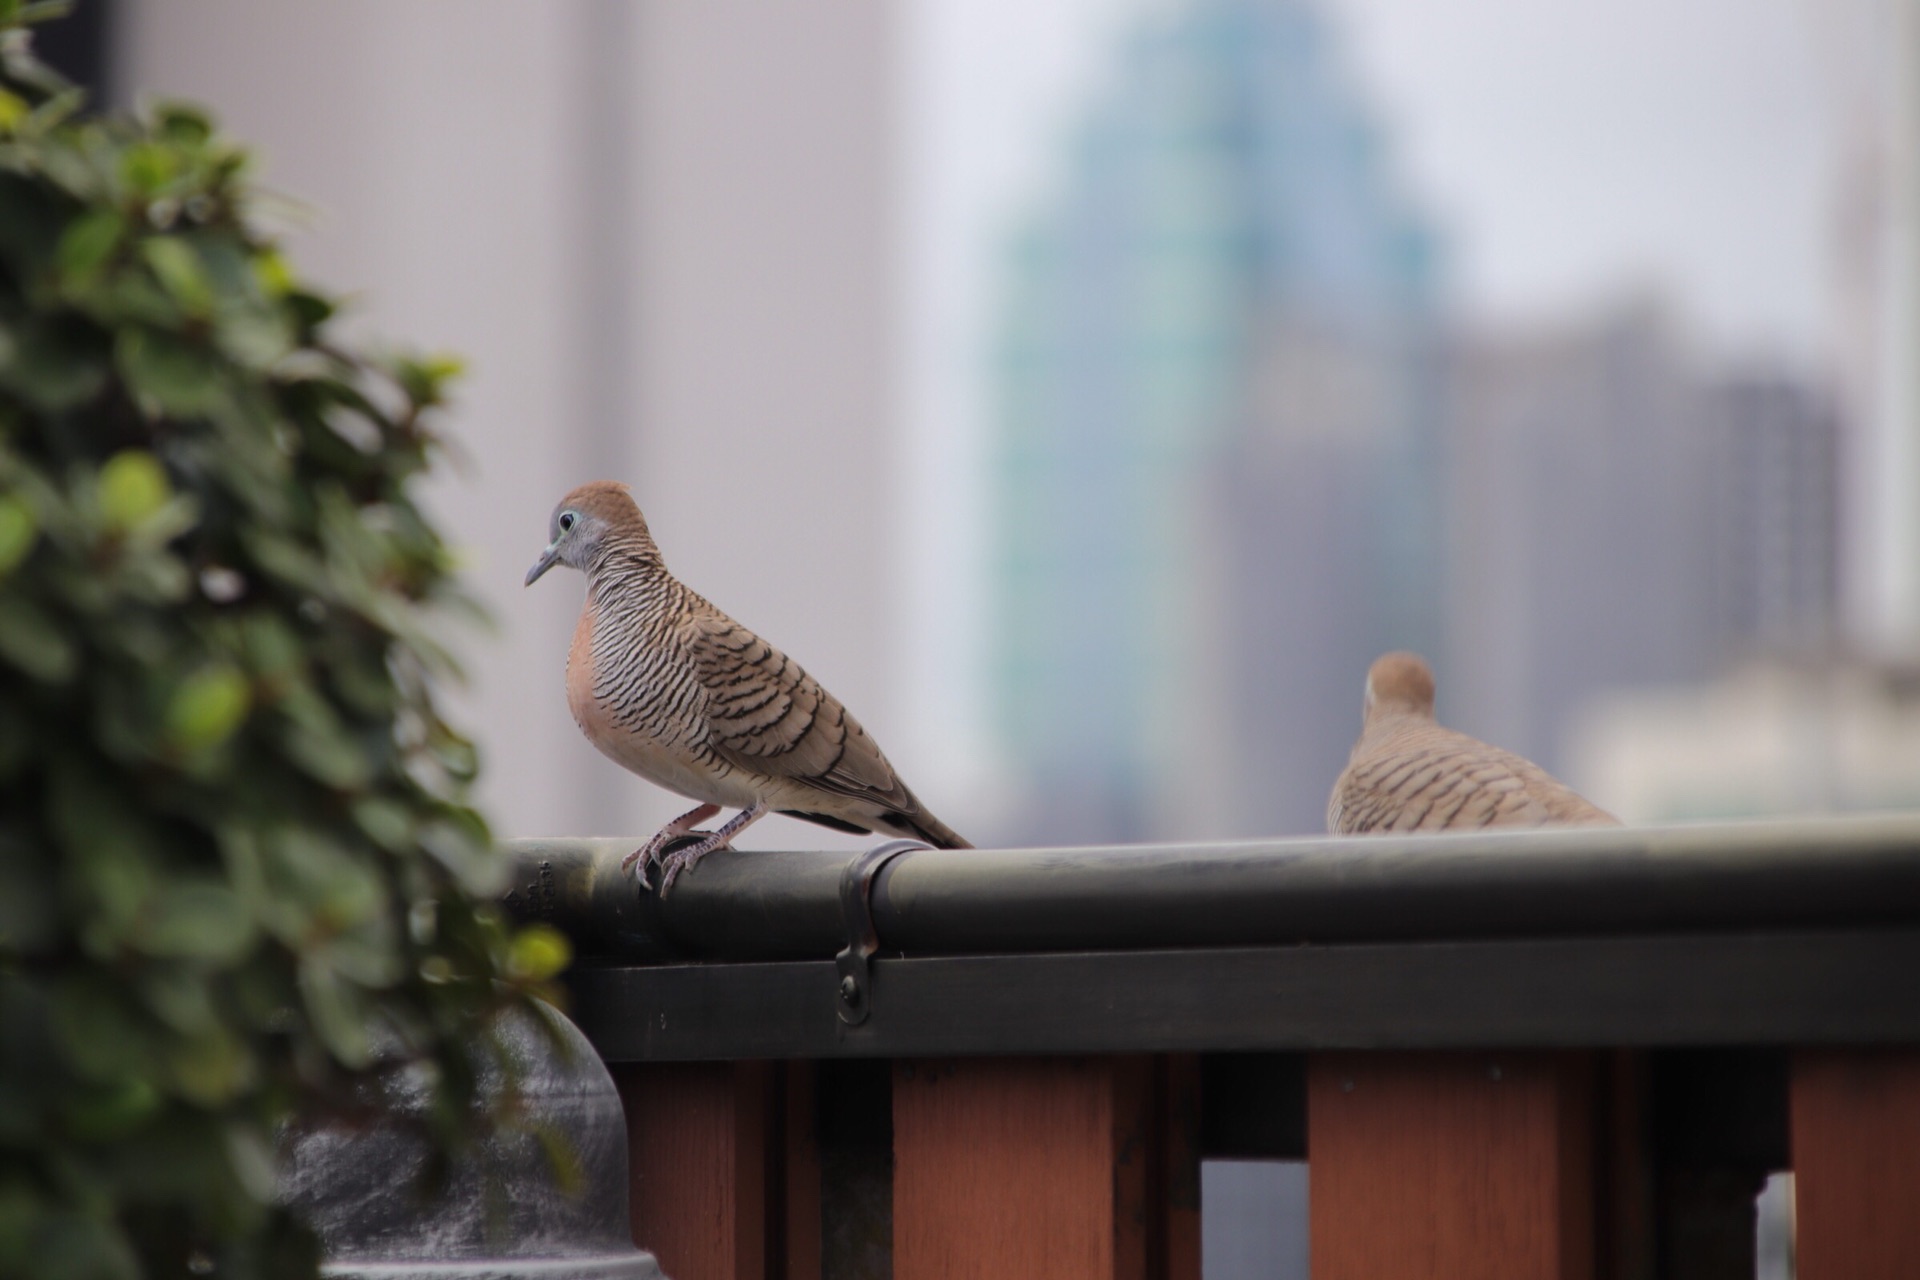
pixel 931 829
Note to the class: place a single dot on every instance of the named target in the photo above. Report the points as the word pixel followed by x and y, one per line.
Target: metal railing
pixel 1802 932
pixel 1662 1008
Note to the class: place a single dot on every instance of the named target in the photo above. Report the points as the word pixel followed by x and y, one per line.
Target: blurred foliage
pixel 238 878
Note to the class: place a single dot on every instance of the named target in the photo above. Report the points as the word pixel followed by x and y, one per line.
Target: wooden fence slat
pixel 1021 1167
pixel 1180 1103
pixel 1429 1166
pixel 697 1157
pixel 802 1172
pixel 1856 1163
pixel 1624 1213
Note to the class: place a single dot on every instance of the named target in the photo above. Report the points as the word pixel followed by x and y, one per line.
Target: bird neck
pixel 628 572
pixel 1394 715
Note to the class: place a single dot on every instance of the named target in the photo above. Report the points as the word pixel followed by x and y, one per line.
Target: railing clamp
pixel 856 910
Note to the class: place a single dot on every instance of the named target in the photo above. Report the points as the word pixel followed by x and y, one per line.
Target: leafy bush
pixel 237 873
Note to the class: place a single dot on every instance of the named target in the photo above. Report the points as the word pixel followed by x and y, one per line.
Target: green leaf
pixel 338 1010
pixel 87 244
pixel 272 273
pixel 253 336
pixel 211 1068
pixel 182 124
pixel 182 378
pixel 13 109
pixel 208 707
pixel 18 530
pixel 538 952
pixel 180 272
pixel 180 996
pixel 255 1165
pixel 133 487
pixel 107 839
pixel 272 647
pixel 30 641
pixel 54 361
pixel 102 1035
pixel 466 852
pixel 112 1110
pixel 179 514
pixel 204 921
pixel 319 883
pixel 388 823
pixel 425 379
pixel 330 758
pixel 368 952
pixel 148 166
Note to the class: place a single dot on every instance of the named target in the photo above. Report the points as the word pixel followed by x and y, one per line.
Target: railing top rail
pixel 1846 873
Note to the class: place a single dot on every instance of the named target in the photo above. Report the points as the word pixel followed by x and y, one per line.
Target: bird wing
pixel 1426 778
pixel 766 715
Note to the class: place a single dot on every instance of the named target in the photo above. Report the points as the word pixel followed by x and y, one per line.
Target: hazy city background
pixel 1087 391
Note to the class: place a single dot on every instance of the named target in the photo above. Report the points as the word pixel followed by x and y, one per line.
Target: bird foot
pixel 649 852
pixel 673 861
pixel 645 855
pixel 682 859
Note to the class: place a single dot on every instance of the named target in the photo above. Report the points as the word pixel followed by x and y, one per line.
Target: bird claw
pixel 672 864
pixel 681 828
pixel 674 861
pixel 646 855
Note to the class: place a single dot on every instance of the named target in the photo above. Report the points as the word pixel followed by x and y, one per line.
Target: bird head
pixel 1399 682
pixel 586 523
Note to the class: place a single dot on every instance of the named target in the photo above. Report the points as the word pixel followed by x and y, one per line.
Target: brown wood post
pixel 1180 1164
pixel 1627 1245
pixel 697 1159
pixel 1428 1166
pixel 802 1173
pixel 1023 1167
pixel 1856 1163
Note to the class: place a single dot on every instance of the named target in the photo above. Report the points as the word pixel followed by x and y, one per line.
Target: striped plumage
pixel 1407 773
pixel 673 689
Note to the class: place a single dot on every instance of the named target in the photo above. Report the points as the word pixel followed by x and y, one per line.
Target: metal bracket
pixel 856 910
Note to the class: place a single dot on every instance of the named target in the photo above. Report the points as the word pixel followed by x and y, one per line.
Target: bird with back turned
pixel 1408 773
pixel 671 688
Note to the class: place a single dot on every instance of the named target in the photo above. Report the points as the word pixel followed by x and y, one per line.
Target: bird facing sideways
pixel 669 687
pixel 1407 773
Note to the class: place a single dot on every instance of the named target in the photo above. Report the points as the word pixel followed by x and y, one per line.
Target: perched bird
pixel 1409 774
pixel 676 691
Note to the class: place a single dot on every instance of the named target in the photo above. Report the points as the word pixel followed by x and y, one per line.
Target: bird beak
pixel 544 563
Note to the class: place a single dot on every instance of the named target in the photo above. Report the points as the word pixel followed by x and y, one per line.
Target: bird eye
pixel 566 521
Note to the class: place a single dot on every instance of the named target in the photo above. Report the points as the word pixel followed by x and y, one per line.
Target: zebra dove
pixel 671 688
pixel 1409 774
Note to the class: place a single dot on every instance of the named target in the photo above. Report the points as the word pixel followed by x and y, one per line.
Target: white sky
pixel 1575 150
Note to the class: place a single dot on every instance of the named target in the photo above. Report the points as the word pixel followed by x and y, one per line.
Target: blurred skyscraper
pixel 1622 517
pixel 1581 470
pixel 1211 484
pixel 1777 516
